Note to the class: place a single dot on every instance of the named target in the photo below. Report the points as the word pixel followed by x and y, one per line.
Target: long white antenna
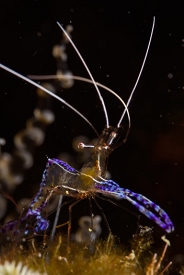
pixel 83 79
pixel 48 92
pixel 87 69
pixel 128 102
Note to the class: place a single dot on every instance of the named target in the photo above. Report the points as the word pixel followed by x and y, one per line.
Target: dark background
pixel 112 37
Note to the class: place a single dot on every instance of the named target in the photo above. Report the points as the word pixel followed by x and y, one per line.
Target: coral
pixel 99 257
pixel 13 268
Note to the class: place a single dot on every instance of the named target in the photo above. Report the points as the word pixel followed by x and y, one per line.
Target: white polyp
pixel 69 28
pixel 68 81
pixel 85 233
pixel 10 178
pixel 19 268
pixel 64 57
pixel 34 134
pixel 45 116
pixel 48 86
pixel 5 174
pixel 2 141
pixel 58 51
pixel 26 157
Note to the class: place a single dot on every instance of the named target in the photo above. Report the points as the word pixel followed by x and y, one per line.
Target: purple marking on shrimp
pixel 31 221
pixel 61 174
pixel 143 204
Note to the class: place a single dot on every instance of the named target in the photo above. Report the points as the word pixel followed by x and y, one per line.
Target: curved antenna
pixel 143 63
pixel 87 69
pixel 48 92
pixel 83 79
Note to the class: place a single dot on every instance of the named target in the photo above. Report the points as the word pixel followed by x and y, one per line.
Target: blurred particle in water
pixel 170 76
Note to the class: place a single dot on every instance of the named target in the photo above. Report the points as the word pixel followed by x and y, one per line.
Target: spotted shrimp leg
pixel 32 219
pixel 143 204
